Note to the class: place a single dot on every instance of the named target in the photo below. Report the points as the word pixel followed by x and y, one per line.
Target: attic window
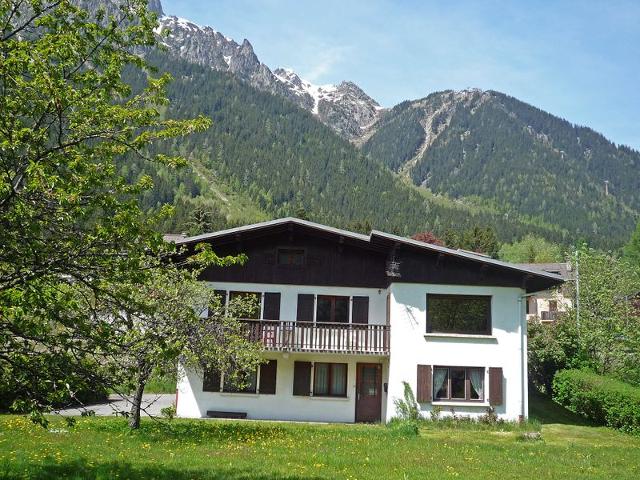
pixel 292 257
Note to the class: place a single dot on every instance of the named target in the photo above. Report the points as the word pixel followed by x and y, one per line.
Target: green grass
pixel 97 448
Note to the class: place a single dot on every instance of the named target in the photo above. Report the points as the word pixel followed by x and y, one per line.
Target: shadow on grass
pixel 543 409
pixel 83 469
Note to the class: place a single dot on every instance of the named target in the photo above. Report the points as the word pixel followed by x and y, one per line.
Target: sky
pixel 579 60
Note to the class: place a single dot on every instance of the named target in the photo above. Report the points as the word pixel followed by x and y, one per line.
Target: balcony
pixel 281 336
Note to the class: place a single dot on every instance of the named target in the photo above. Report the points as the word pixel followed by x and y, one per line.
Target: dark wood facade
pixel 334 259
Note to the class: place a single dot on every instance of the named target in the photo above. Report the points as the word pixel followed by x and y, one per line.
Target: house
pixel 346 318
pixel 544 306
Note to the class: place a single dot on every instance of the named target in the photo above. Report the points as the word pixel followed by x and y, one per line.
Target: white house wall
pixel 194 403
pixel 410 347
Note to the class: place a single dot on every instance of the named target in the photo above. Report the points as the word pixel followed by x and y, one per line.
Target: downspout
pixel 523 361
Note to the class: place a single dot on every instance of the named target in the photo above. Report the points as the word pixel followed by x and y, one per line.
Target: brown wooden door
pixel 368 392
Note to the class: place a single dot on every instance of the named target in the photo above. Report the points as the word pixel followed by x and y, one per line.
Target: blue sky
pixel 576 59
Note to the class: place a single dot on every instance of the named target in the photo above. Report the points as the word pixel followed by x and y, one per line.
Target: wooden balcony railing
pixel 320 337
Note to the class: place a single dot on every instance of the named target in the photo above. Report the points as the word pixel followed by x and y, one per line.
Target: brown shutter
pixel 268 377
pixel 360 310
pixel 305 308
pixel 423 393
pixel 495 386
pixel 271 306
pixel 211 381
pixel 302 378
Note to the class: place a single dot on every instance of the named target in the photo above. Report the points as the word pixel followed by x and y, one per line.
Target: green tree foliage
pixel 632 249
pixel 476 239
pixel 77 249
pixel 602 335
pixel 531 249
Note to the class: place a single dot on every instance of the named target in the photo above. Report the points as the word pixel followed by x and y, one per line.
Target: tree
pixel 427 237
pixel 531 249
pixel 603 336
pixel 162 331
pixel 632 249
pixel 70 227
pixel 476 239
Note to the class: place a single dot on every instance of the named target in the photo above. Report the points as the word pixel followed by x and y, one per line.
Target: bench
pixel 220 414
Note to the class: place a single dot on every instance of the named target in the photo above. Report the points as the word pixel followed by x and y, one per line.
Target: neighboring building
pixel 347 318
pixel 546 305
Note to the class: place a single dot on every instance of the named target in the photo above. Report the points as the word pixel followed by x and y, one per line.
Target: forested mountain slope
pixel 503 152
pixel 282 160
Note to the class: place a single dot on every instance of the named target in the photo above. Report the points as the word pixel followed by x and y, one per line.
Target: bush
pixel 604 400
pixel 168 412
pixel 407 408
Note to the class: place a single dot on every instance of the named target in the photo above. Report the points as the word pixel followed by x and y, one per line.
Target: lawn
pixel 183 449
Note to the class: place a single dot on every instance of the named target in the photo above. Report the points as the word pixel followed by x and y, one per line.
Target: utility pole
pixel 606 188
pixel 578 289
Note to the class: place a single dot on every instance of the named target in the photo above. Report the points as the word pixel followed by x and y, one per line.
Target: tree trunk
pixel 144 371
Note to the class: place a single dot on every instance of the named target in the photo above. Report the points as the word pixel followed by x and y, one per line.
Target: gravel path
pixel 152 403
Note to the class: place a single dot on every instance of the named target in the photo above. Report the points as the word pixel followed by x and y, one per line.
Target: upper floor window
pixel 466 314
pixel 293 257
pixel 332 309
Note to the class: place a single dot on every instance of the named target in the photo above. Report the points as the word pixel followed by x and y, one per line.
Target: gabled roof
pixel 375 238
pixel 560 268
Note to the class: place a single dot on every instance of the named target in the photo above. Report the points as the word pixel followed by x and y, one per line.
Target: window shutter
pixel 305 308
pixel 271 306
pixel 360 310
pixel 268 377
pixel 302 378
pixel 221 296
pixel 495 386
pixel 211 381
pixel 424 384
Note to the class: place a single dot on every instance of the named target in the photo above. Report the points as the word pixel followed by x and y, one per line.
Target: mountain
pixel 344 107
pixel 449 161
pixel 279 160
pixel 491 147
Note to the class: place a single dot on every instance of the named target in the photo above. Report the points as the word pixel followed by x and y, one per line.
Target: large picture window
pixel 332 309
pixel 330 379
pixel 470 314
pixel 458 383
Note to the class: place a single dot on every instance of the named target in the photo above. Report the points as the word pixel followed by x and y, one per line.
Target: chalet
pixel 346 318
pixel 545 306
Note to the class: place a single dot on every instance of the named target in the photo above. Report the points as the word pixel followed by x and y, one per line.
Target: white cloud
pixel 324 63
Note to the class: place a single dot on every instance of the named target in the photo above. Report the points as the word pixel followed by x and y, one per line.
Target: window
pixel 291 257
pixel 245 304
pixel 213 381
pixel 332 309
pixel 250 381
pixel 330 379
pixel 459 314
pixel 458 383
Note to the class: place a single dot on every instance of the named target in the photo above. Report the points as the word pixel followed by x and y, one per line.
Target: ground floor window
pixel 329 379
pixel 458 383
pixel 261 380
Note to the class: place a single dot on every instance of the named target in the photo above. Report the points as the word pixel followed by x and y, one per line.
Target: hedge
pixel 604 400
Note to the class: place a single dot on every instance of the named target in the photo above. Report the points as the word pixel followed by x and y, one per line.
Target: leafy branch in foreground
pixel 76 250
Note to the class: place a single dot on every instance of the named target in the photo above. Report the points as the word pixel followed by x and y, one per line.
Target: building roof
pixel 375 238
pixel 562 269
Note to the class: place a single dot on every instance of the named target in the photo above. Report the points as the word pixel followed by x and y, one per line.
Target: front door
pixel 368 392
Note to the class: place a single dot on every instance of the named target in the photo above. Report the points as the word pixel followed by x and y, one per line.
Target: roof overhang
pixel 376 240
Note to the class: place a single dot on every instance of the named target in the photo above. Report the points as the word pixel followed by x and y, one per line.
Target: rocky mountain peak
pixel 346 107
